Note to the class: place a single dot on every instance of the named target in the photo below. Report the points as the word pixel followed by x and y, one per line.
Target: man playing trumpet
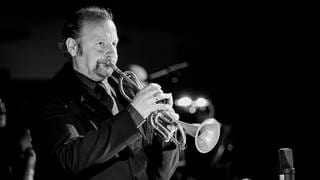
pixel 83 128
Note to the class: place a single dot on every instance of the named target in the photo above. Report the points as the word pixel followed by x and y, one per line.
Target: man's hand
pixel 150 98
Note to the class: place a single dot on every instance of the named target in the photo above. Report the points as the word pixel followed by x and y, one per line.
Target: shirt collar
pixel 85 80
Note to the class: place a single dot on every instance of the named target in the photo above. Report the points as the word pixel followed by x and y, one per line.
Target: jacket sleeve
pixel 76 150
pixel 163 159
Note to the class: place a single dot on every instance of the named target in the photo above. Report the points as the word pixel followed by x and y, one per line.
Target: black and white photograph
pixel 158 90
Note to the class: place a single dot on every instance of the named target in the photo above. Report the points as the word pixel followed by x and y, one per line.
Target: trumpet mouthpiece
pixel 110 63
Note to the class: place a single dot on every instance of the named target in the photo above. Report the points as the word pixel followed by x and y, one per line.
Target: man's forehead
pixel 99 29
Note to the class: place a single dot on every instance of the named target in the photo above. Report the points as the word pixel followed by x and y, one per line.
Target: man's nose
pixel 111 56
pixel 110 50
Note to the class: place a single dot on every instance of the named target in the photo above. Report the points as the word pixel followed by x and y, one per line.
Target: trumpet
pixel 206 134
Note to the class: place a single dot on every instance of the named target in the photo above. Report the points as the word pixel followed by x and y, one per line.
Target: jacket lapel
pixel 75 91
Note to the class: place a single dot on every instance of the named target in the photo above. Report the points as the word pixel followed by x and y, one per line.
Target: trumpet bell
pixel 206 134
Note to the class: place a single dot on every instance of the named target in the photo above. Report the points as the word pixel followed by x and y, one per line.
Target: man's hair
pixel 73 25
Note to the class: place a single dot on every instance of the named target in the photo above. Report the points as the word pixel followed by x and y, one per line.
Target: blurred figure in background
pixel 17 157
pixel 141 73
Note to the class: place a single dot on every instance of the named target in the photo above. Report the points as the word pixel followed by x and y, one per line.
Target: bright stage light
pixel 201 102
pixel 184 101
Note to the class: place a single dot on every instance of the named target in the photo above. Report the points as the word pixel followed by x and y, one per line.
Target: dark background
pixel 254 60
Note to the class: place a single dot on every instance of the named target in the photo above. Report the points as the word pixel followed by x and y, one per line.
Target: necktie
pixel 107 98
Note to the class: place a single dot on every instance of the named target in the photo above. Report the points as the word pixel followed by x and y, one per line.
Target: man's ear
pixel 72 46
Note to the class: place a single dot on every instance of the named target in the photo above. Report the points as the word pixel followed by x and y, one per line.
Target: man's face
pixel 98 41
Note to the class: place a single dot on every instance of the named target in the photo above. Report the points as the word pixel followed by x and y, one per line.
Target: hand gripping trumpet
pixel 206 134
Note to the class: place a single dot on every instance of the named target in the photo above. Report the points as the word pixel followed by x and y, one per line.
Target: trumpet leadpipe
pixel 124 76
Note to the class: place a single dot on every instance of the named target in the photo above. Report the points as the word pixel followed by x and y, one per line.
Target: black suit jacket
pixel 75 136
